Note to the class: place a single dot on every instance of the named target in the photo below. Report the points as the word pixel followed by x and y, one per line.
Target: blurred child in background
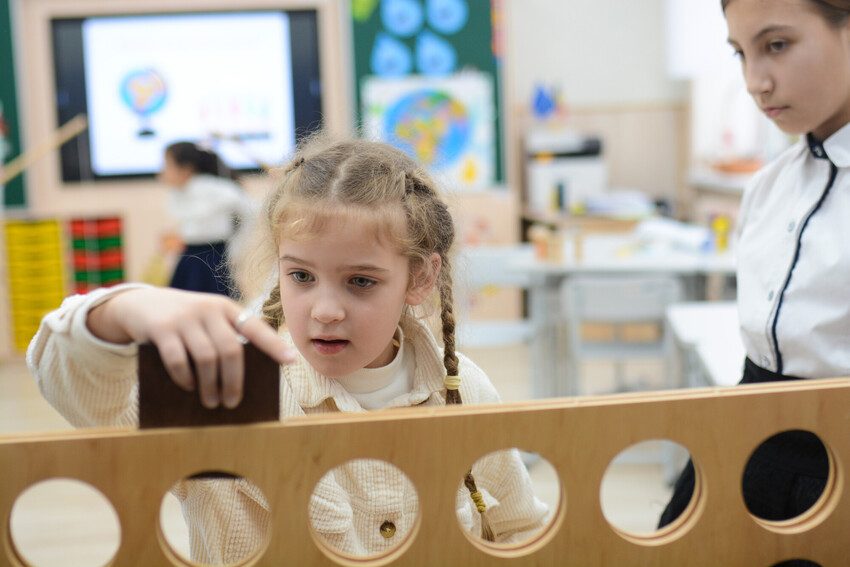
pixel 207 205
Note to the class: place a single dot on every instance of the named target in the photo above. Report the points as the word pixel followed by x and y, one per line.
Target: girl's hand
pixel 185 324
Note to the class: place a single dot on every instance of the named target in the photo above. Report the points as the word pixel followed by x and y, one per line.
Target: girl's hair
pixel 201 160
pixel 836 12
pixel 379 187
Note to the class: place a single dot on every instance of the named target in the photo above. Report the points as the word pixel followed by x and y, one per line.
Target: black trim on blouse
pixel 818 152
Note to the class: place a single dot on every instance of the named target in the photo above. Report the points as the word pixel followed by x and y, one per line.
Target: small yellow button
pixel 388 529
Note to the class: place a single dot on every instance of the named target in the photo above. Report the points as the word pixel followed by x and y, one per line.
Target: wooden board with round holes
pixel 579 437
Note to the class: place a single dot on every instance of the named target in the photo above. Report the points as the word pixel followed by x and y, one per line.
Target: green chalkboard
pixel 391 36
pixel 10 140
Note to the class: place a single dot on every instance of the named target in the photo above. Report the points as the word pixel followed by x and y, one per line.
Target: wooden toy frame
pixel 579 437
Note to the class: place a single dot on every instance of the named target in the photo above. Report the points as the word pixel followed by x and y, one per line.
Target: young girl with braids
pixel 357 239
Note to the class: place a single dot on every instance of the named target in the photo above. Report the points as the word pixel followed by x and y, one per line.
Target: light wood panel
pixel 434 447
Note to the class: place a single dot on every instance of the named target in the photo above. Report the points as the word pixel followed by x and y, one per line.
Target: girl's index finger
pixel 264 337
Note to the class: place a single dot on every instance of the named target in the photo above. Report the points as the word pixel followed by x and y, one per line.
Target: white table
pixel 600 255
pixel 709 342
pixel 624 253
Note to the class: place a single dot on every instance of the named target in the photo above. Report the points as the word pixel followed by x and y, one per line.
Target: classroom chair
pixel 483 271
pixel 627 313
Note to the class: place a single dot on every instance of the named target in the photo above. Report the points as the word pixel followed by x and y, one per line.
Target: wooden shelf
pixel 585 223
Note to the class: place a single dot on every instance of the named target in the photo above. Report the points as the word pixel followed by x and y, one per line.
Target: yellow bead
pixel 388 529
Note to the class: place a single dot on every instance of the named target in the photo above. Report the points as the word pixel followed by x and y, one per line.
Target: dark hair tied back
pixel 200 160
pixel 836 12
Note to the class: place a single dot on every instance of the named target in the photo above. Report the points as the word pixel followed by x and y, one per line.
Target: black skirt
pixel 784 477
pixel 202 267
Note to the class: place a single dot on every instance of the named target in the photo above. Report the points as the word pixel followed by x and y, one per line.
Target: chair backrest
pixel 619 299
pixel 486 269
pixel 617 302
pixel 485 266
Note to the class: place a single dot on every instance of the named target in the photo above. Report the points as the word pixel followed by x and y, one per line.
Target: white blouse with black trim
pixel 794 261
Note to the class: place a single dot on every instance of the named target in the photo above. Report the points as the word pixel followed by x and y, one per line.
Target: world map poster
pixel 427 76
pixel 447 124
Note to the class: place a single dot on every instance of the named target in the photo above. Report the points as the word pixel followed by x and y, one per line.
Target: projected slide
pixel 224 79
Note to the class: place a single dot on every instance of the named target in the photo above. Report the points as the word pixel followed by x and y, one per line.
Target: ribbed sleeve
pixel 90 382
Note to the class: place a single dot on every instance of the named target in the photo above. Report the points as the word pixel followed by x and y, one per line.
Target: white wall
pixel 600 52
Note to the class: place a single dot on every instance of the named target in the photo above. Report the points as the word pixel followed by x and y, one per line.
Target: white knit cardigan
pixel 94 383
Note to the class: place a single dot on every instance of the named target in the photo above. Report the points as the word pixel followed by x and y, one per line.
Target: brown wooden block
pixel 162 403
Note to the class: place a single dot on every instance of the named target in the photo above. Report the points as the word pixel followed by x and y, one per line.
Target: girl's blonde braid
pixel 450 361
pixel 427 214
pixel 448 321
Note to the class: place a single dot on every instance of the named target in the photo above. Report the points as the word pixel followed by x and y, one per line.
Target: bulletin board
pixel 427 76
pixel 10 143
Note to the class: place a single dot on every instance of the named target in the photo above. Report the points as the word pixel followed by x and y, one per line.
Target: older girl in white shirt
pixel 794 233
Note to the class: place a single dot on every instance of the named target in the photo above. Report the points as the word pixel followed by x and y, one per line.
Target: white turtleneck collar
pixel 375 388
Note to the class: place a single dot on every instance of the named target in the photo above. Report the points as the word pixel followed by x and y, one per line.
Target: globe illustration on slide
pixel 144 92
pixel 429 125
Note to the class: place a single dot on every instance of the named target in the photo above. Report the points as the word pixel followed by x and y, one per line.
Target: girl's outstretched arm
pixel 84 354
